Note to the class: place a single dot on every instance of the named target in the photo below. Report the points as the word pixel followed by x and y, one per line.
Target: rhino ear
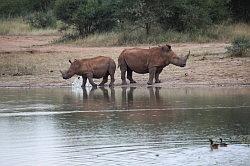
pixel 165 48
pixel 169 47
pixel 70 61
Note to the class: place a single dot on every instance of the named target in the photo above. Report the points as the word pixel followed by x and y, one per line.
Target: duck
pixel 213 145
pixel 222 144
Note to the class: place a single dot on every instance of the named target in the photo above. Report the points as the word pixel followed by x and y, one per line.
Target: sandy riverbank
pixel 32 61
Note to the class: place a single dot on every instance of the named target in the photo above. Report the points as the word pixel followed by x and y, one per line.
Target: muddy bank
pixel 32 61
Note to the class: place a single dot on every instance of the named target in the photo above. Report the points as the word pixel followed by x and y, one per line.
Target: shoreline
pixel 31 61
pixel 159 85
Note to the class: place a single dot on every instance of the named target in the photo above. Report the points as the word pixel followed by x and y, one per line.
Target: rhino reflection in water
pixel 104 97
pixel 97 99
pixel 153 99
pixel 151 61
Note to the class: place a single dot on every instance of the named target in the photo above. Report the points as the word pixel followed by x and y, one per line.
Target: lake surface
pixel 124 126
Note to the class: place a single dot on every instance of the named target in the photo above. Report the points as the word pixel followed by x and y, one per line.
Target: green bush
pixel 41 20
pixel 240 47
pixel 88 16
pixel 184 16
pixel 93 16
pixel 188 15
pixel 13 8
pixel 65 10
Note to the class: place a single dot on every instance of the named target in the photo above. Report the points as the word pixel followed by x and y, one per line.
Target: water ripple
pixel 42 107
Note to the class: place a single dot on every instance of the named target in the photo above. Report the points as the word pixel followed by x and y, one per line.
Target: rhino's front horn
pixel 188 54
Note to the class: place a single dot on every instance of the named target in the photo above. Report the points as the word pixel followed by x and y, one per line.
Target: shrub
pixel 41 20
pixel 65 9
pixel 93 16
pixel 88 16
pixel 183 16
pixel 240 47
pixel 18 26
pixel 13 8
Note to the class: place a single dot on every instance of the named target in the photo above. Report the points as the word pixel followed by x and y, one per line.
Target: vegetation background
pixel 206 27
pixel 128 22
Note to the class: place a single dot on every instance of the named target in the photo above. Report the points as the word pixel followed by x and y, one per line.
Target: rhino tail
pixel 121 59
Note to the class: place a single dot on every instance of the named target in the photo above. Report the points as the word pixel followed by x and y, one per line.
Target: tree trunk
pixel 147 28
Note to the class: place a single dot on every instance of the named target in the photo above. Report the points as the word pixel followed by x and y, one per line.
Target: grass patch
pixel 95 40
pixel 16 69
pixel 17 26
pixel 240 47
pixel 216 33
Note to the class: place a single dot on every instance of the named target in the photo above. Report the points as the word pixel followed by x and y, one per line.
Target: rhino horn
pixel 187 55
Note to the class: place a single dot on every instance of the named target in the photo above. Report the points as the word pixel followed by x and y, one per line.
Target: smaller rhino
pixel 89 68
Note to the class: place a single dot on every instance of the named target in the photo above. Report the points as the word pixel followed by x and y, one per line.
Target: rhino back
pixel 136 59
pixel 140 60
pixel 98 66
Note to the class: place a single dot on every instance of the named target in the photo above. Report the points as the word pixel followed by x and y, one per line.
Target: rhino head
pixel 73 69
pixel 173 58
pixel 179 60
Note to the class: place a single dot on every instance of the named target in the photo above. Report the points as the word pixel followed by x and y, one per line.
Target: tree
pixel 87 16
pixel 240 10
pixel 139 13
pixel 23 7
pixel 182 15
pixel 65 9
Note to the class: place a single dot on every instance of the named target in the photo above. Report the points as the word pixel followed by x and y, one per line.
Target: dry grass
pixel 226 33
pixel 104 39
pixel 217 33
pixel 18 26
pixel 240 29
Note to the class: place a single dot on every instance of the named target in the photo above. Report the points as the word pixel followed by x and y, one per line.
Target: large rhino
pixel 89 68
pixel 151 61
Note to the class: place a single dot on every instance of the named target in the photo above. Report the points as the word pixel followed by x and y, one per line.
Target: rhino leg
pixel 90 77
pixel 123 75
pixel 129 76
pixel 124 95
pixel 104 80
pixel 112 94
pixel 105 93
pixel 84 93
pixel 112 75
pixel 92 92
pixel 112 80
pixel 151 93
pixel 158 72
pixel 152 72
pixel 157 93
pixel 131 94
pixel 123 68
pixel 84 80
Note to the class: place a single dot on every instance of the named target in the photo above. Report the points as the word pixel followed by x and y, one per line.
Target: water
pixel 124 126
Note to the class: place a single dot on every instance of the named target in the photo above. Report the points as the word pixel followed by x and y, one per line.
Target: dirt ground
pixel 33 61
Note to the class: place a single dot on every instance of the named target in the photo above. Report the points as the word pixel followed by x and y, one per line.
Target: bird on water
pixel 213 145
pixel 222 144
